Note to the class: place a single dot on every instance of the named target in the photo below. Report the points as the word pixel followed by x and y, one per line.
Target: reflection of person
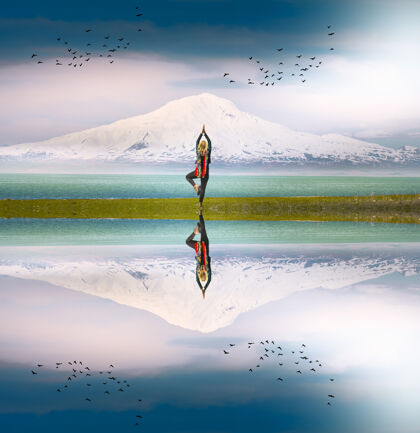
pixel 203 267
pixel 203 151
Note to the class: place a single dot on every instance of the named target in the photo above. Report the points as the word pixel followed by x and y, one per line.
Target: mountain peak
pixel 168 135
pixel 204 104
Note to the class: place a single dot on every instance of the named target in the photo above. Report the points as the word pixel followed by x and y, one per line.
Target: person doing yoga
pixel 203 159
pixel 201 247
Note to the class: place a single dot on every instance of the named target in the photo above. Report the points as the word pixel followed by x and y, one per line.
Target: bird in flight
pixel 88 30
pixel 330 34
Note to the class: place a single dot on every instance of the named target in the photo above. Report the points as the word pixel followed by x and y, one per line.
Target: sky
pixel 367 87
pixel 185 380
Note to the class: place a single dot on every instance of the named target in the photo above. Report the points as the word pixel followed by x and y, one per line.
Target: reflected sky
pixel 355 307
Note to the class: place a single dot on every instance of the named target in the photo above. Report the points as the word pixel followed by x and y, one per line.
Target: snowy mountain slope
pixel 167 286
pixel 169 133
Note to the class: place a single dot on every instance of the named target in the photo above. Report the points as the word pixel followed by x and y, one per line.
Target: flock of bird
pixel 105 383
pixel 270 77
pixel 269 350
pixel 78 372
pixel 106 48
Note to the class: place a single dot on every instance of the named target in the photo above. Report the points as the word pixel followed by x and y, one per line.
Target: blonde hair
pixel 202 147
pixel 202 273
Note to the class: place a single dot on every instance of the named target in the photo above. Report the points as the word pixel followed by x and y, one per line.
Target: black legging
pixel 204 180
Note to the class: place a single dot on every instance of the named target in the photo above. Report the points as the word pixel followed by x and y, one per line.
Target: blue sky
pixel 367 87
pixel 187 384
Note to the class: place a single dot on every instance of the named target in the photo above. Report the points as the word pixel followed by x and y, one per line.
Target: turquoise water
pixel 27 186
pixel 174 232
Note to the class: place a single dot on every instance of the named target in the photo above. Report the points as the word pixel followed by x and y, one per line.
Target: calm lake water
pixel 112 311
pixel 26 186
pixel 174 232
pixel 342 299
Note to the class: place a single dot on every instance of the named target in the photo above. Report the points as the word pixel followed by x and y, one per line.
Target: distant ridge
pixel 168 134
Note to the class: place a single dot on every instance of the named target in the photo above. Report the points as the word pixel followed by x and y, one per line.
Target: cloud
pixel 368 83
pixel 345 96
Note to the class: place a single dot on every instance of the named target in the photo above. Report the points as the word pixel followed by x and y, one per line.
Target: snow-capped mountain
pixel 167 286
pixel 168 135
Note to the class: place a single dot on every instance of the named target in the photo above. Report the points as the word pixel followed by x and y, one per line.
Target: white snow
pixel 169 134
pixel 167 286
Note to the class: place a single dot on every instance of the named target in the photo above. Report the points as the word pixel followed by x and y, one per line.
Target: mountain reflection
pixel 140 308
pixel 202 255
pixel 162 280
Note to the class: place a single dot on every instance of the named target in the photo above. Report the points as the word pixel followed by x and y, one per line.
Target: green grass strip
pixel 384 208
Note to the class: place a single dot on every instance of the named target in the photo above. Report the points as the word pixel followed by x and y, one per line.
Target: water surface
pixel 124 292
pixel 27 186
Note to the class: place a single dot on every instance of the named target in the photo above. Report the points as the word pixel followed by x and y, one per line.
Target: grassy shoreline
pixel 385 208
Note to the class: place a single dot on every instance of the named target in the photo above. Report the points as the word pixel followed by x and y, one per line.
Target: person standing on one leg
pixel 202 255
pixel 203 152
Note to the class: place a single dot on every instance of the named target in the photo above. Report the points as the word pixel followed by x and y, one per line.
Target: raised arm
pixel 198 141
